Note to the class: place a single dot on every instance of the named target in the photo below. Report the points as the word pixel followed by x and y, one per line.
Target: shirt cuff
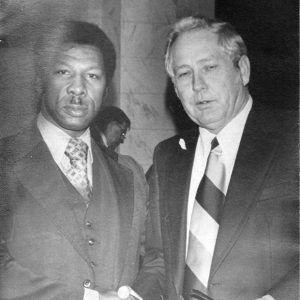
pixel 90 294
pixel 267 297
pixel 125 292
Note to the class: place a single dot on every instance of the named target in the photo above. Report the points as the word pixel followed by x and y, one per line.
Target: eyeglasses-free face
pixel 74 88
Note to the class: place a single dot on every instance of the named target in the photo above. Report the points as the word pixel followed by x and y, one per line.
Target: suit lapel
pixel 40 175
pixel 252 163
pixel 178 167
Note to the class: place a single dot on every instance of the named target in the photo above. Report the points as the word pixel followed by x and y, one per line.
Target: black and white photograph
pixel 149 150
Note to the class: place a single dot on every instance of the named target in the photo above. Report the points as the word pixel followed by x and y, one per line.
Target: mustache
pixel 76 99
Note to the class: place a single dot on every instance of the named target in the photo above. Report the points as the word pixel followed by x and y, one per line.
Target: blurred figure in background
pixel 110 127
pixel 109 130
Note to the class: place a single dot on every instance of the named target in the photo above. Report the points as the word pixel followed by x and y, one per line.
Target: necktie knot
pixel 215 147
pixel 76 151
pixel 214 143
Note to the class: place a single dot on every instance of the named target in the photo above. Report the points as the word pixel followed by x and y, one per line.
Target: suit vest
pixel 100 225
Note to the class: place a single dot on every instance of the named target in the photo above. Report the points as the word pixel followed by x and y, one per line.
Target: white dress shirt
pixel 104 139
pixel 229 139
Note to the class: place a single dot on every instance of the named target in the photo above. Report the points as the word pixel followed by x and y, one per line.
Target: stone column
pixel 144 27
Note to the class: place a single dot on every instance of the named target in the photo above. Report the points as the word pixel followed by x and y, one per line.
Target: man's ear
pixel 244 66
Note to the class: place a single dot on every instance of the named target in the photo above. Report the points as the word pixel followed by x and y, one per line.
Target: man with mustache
pixel 73 217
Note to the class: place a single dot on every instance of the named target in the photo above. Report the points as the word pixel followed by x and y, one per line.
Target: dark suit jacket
pixel 36 217
pixel 256 251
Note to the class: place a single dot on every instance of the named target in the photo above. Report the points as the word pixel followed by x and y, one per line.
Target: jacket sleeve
pixel 150 281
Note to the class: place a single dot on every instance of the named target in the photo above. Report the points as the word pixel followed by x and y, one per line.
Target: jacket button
pixel 87 283
pixel 91 242
pixel 93 264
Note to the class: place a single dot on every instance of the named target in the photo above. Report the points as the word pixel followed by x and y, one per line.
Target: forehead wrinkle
pixel 199 61
pixel 204 40
pixel 65 59
pixel 68 64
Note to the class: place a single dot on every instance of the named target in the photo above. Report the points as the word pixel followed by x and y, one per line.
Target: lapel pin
pixel 182 144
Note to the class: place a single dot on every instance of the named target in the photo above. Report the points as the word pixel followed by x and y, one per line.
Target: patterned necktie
pixel 76 151
pixel 204 225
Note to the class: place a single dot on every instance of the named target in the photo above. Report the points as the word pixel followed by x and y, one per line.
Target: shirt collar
pixel 104 140
pixel 57 140
pixel 229 137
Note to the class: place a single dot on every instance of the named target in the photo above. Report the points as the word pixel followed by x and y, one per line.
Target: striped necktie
pixel 76 151
pixel 204 224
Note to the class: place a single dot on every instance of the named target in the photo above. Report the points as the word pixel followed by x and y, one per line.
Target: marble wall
pixel 144 84
pixel 144 27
